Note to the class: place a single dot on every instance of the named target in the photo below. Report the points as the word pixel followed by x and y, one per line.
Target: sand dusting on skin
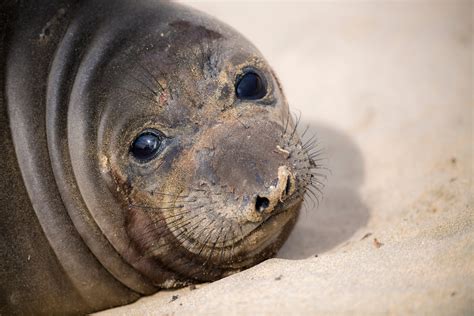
pixel 388 87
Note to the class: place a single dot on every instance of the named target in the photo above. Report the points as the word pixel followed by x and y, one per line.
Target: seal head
pixel 188 130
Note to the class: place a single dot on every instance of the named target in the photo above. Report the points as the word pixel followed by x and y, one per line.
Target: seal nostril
pixel 288 185
pixel 261 203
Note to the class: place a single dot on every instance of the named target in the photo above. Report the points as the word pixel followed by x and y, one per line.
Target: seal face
pixel 198 146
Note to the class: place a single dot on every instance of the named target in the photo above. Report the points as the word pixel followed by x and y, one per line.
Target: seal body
pixel 145 146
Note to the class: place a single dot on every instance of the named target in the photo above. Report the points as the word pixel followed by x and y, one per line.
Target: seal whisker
pixel 315 187
pixel 186 211
pixel 157 208
pixel 316 196
pixel 310 143
pixel 168 194
pixel 144 241
pixel 200 233
pixel 319 159
pixel 320 175
pixel 156 224
pixel 320 167
pixel 170 232
pixel 241 231
pixel 155 79
pixel 142 95
pixel 232 250
pixel 303 192
pixel 314 181
pixel 315 153
pixel 312 138
pixel 297 119
pixel 213 246
pixel 155 93
pixel 287 122
pixel 193 228
pixel 207 238
pixel 314 147
pixel 185 201
pixel 317 172
pixel 175 228
pixel 305 131
pixel 173 225
pixel 223 244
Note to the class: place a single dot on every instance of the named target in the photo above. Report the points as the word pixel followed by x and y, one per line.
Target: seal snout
pixel 250 163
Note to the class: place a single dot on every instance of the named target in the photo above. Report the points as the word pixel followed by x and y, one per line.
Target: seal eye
pixel 250 87
pixel 146 145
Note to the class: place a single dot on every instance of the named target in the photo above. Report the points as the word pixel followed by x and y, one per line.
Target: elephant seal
pixel 145 146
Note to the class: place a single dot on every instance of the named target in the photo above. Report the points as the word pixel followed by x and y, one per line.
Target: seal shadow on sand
pixel 341 211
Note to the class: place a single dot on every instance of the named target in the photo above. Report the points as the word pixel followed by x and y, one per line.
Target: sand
pixel 388 87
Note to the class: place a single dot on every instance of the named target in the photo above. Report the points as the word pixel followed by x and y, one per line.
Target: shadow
pixel 341 211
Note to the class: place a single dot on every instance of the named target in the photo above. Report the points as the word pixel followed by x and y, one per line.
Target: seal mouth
pixel 263 234
pixel 289 205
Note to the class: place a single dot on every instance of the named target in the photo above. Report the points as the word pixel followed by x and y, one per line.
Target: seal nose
pixel 284 188
pixel 261 204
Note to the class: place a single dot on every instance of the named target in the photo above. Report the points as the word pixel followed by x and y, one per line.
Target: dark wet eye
pixel 250 87
pixel 146 145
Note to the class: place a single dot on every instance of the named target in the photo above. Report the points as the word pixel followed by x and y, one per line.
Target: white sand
pixel 388 87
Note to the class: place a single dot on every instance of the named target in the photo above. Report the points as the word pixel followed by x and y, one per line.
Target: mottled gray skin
pixel 85 226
